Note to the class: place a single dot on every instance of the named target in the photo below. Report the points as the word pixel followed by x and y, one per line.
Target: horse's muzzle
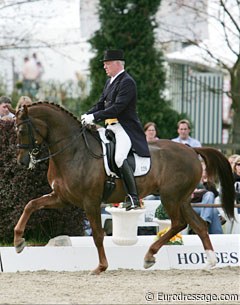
pixel 24 160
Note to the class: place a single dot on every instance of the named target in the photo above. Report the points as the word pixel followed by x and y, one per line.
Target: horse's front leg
pixel 98 235
pixel 46 201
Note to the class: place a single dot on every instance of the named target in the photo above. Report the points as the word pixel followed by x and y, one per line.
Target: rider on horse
pixel 117 107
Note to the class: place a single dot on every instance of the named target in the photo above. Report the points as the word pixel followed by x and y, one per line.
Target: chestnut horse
pixel 76 175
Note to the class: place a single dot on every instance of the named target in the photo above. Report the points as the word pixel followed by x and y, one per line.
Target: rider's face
pixel 112 67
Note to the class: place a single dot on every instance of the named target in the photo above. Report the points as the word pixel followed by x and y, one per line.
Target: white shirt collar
pixel 114 77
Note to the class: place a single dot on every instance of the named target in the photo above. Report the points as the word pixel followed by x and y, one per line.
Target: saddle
pixel 139 165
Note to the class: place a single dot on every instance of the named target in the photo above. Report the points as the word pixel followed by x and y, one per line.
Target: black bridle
pixel 35 149
pixel 32 141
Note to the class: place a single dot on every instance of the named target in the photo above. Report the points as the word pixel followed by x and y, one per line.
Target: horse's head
pixel 31 133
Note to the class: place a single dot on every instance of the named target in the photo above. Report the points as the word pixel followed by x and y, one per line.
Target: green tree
pixel 129 25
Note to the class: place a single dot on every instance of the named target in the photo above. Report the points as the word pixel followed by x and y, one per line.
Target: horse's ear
pixel 23 112
pixel 25 109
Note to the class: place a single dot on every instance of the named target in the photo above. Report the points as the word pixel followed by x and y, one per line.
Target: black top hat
pixel 113 55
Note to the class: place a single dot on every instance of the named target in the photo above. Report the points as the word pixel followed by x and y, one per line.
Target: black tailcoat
pixel 118 100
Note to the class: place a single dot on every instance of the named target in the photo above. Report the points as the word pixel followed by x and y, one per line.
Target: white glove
pixel 83 116
pixel 87 118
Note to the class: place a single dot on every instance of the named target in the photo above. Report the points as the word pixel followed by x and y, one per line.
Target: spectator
pixel 23 100
pixel 30 74
pixel 5 114
pixel 232 159
pixel 150 130
pixel 236 175
pixel 40 70
pixel 206 193
pixel 184 129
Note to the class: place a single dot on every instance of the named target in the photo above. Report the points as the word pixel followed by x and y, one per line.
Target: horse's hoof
pixel 98 270
pixel 19 248
pixel 208 266
pixel 94 272
pixel 148 264
pixel 211 260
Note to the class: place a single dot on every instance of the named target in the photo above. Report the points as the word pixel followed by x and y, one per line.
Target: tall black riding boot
pixel 132 201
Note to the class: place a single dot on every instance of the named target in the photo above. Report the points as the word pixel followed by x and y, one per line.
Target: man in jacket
pixel 117 107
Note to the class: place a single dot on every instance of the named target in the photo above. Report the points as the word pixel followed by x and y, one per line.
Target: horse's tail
pixel 218 165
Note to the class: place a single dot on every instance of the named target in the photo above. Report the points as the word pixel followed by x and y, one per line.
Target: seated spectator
pixel 232 159
pixel 150 130
pixel 184 130
pixel 206 193
pixel 23 100
pixel 236 175
pixel 5 114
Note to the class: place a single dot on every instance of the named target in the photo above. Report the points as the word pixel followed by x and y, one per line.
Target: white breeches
pixel 123 143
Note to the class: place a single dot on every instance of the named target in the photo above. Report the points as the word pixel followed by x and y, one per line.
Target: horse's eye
pixel 20 131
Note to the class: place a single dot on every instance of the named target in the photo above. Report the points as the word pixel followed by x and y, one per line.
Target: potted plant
pixel 161 213
pixel 162 218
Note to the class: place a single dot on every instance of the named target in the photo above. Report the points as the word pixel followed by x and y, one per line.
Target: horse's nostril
pixel 24 161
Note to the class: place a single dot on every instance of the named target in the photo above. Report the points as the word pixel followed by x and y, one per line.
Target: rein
pixel 87 144
pixel 35 149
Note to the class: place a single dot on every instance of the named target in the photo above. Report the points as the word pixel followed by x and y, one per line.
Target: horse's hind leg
pixel 199 226
pixel 94 216
pixel 149 259
pixel 178 223
pixel 46 201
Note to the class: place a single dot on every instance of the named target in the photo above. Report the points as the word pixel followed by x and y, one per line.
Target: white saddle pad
pixel 142 163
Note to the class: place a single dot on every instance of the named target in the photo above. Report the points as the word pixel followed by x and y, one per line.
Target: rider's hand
pixel 87 118
pixel 83 117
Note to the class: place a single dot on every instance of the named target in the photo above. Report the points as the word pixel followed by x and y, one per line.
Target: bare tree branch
pixel 18 3
pixel 230 15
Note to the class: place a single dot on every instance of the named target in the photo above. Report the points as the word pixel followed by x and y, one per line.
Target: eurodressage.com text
pixel 188 297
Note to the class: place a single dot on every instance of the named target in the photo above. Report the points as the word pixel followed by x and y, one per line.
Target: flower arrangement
pixel 175 240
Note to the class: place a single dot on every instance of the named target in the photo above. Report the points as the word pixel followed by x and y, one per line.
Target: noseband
pixel 33 147
pixel 32 141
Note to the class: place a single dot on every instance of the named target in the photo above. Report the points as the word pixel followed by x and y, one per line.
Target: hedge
pixel 19 185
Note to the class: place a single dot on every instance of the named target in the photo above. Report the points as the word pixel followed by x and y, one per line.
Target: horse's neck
pixel 76 151
pixel 66 134
pixel 62 129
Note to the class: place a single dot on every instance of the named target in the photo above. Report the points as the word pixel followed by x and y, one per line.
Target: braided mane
pixel 54 105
